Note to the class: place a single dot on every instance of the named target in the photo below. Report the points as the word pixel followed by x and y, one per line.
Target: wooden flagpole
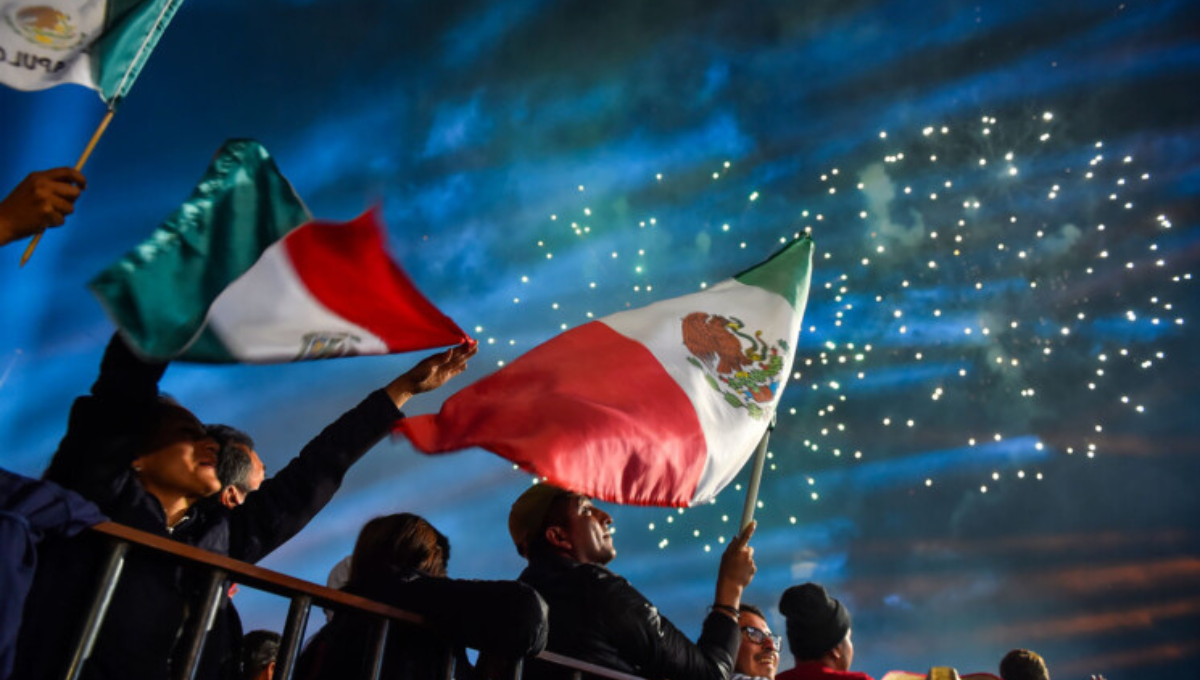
pixel 83 158
pixel 760 460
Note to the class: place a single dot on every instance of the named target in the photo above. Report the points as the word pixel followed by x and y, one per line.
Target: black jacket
pixel 598 617
pixel 141 636
pixel 504 619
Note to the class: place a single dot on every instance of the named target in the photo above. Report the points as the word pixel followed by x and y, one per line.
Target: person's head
pixel 1022 664
pixel 818 626
pixel 176 458
pixel 239 468
pixel 546 520
pixel 758 654
pixel 393 545
pixel 259 648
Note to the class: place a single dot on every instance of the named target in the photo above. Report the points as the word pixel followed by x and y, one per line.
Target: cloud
pixel 1064 240
pixel 880 192
pixel 454 128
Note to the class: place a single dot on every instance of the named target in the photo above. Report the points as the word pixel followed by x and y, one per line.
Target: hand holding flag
pixel 98 44
pixel 431 373
pixel 737 569
pixel 42 200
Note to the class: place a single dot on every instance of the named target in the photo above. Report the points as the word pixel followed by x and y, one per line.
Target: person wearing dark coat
pixel 148 463
pixel 401 560
pixel 819 635
pixel 30 511
pixel 597 616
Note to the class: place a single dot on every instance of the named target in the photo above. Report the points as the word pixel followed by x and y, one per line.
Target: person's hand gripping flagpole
pixel 83 158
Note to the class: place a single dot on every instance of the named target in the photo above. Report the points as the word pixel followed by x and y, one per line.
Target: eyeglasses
pixel 758 637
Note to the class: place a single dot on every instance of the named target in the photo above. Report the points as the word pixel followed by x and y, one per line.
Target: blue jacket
pixel 30 510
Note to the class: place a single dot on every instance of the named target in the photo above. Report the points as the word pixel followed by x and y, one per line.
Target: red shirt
pixel 812 670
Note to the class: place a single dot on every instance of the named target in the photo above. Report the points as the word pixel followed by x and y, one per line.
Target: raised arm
pixel 668 653
pixel 284 504
pixel 105 427
pixel 431 373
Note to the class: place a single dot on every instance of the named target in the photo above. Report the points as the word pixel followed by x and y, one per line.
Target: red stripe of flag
pixel 591 410
pixel 346 267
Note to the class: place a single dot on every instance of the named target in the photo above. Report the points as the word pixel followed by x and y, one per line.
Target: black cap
pixel 816 622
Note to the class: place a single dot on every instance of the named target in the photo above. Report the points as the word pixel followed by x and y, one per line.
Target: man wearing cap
pixel 818 630
pixel 597 616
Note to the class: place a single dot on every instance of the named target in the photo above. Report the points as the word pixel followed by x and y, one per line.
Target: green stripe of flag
pixel 160 292
pixel 786 273
pixel 132 29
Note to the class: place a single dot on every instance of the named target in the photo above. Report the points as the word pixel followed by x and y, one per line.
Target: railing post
pixel 518 669
pixel 381 635
pixel 577 675
pixel 448 663
pixel 203 623
pixel 293 634
pixel 113 565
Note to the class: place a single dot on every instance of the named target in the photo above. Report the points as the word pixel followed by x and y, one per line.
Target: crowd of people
pixel 144 460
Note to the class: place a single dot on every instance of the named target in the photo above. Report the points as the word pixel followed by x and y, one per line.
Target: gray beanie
pixel 816 622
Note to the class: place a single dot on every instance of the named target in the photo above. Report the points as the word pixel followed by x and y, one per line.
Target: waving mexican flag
pixel 241 272
pixel 101 44
pixel 660 405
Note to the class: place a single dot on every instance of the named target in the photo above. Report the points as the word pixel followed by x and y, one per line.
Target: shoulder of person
pixel 603 578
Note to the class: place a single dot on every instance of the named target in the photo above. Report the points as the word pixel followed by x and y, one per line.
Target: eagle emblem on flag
pixel 327 345
pixel 44 26
pixel 743 367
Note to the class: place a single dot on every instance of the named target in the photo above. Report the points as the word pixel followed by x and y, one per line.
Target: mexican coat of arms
pixel 743 367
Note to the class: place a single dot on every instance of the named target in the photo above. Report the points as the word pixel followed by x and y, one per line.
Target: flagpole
pixel 83 158
pixel 760 460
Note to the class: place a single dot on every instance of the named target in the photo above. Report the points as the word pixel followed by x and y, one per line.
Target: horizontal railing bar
pixel 287 586
pixel 589 668
pixel 257 577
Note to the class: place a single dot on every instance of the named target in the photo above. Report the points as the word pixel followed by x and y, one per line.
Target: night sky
pixel 990 436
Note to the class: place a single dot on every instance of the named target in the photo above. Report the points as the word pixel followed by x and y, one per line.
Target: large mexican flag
pixel 242 273
pixel 660 405
pixel 101 44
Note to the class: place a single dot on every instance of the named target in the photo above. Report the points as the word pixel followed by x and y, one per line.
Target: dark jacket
pixel 596 616
pixel 30 510
pixel 141 636
pixel 504 619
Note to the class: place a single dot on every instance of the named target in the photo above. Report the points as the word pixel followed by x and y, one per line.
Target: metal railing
pixel 302 595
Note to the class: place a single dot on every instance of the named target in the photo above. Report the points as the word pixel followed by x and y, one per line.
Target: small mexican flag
pixel 660 405
pixel 241 272
pixel 101 44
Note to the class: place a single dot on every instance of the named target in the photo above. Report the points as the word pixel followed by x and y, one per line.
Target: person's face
pixel 258 471
pixel 182 460
pixel 588 532
pixel 232 496
pixel 757 659
pixel 844 655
